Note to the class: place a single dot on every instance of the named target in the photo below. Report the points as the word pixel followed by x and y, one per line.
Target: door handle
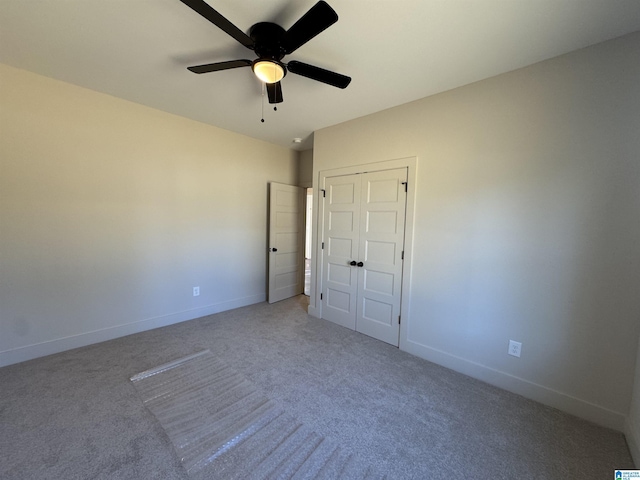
pixel 273 249
pixel 360 264
pixel 352 263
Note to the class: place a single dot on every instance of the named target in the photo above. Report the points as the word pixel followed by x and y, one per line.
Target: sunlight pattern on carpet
pixel 222 427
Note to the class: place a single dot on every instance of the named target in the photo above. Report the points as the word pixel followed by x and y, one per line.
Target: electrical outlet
pixel 196 291
pixel 514 348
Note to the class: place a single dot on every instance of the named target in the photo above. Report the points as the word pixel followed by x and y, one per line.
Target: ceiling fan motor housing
pixel 267 38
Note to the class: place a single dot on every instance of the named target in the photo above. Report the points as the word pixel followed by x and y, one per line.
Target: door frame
pixel 411 163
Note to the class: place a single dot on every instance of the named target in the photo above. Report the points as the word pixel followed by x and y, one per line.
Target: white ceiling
pixel 396 51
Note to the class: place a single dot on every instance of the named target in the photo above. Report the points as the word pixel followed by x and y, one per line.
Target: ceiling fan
pixel 271 43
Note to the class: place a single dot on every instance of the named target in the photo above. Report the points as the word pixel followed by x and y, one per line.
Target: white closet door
pixel 286 241
pixel 364 222
pixel 341 221
pixel 382 220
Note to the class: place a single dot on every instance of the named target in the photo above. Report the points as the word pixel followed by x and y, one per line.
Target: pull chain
pixel 263 89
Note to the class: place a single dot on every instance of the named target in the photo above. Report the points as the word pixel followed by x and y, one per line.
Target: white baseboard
pixel 632 433
pixel 539 393
pixel 29 352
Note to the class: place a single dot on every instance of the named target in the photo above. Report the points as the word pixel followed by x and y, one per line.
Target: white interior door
pixel 286 241
pixel 364 224
pixel 382 221
pixel 341 221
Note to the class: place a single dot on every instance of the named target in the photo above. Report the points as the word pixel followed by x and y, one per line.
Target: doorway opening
pixel 307 241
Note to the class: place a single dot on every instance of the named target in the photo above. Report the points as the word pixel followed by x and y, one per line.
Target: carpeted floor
pixel 222 426
pixel 76 415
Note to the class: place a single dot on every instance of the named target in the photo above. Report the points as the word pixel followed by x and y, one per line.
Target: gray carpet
pixel 221 426
pixel 76 415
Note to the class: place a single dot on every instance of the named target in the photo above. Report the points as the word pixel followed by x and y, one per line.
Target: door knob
pixel 360 264
pixel 273 249
pixel 352 263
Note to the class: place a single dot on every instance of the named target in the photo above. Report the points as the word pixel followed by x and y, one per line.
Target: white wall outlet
pixel 514 348
pixel 196 291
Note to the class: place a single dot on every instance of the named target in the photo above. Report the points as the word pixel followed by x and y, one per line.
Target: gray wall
pixel 526 225
pixel 110 212
pixel 632 426
pixel 305 168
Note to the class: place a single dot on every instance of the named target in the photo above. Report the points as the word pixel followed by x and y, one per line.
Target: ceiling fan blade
pixel 204 9
pixel 320 17
pixel 319 74
pixel 214 67
pixel 274 91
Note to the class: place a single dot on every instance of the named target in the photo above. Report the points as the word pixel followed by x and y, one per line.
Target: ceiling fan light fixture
pixel 268 71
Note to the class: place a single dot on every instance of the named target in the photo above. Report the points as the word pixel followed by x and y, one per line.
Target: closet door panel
pixel 382 219
pixel 341 231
